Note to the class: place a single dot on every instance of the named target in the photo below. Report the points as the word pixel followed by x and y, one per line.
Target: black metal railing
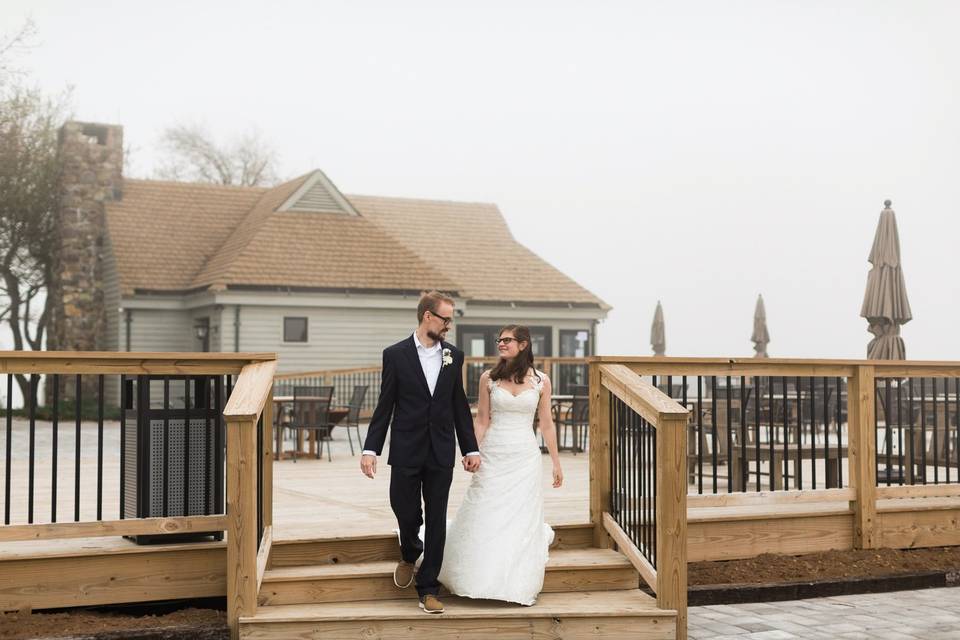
pixel 918 440
pixel 343 384
pixel 755 433
pixel 164 436
pixel 633 496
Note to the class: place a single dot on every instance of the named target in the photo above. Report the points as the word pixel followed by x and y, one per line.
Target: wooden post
pixel 241 522
pixel 862 450
pixel 672 518
pixel 599 457
pixel 267 460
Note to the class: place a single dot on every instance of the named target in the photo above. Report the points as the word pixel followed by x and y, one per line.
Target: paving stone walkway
pixel 928 614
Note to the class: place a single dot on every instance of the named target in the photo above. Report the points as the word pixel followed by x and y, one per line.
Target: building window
pixel 574 343
pixel 294 329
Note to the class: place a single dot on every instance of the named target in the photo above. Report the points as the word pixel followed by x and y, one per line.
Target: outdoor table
pixel 280 403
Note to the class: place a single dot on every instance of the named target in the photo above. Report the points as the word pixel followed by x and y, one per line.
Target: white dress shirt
pixel 431 361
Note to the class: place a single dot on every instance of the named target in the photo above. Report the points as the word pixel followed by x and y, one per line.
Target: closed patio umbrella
pixel 885 304
pixel 760 337
pixel 658 334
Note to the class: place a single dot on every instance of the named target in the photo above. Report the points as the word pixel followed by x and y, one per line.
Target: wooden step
pixel 371 548
pixel 612 615
pixel 567 570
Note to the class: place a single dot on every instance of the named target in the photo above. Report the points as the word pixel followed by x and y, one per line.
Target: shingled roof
pixel 304 234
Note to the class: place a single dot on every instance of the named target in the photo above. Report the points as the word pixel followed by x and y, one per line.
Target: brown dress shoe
pixel 431 604
pixel 403 574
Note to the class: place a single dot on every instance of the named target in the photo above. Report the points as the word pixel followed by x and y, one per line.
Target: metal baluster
pixel 8 458
pixel 839 438
pixel 756 415
pixel 798 476
pixel 55 435
pixel 900 430
pixel 76 461
pixel 936 427
pixel 713 430
pixel 786 435
pixel 889 428
pixel 33 444
pixel 100 401
pixel 729 440
pixel 700 434
pixel 653 504
pixel 770 416
pixel 923 428
pixel 744 464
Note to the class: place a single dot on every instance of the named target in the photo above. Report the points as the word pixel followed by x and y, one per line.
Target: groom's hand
pixel 368 464
pixel 471 463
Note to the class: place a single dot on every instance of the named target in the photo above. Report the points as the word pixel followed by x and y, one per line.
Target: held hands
pixel 557 475
pixel 471 463
pixel 368 464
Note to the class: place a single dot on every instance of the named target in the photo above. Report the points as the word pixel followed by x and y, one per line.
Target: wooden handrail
pixel 641 396
pixel 630 550
pixel 659 366
pixel 251 391
pixel 130 363
pixel 263 554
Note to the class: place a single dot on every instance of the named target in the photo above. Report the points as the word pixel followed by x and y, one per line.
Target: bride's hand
pixel 557 476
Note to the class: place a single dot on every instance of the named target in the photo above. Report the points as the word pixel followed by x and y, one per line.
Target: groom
pixel 422 388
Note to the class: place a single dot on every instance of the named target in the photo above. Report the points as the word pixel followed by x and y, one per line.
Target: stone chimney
pixel 92 174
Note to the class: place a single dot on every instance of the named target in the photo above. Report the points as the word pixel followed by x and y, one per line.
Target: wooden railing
pixel 247 519
pixel 826 454
pixel 638 493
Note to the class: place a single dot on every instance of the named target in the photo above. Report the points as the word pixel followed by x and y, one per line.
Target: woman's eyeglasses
pixel 505 340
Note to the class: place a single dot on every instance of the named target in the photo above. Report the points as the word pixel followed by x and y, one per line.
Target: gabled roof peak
pixel 318 195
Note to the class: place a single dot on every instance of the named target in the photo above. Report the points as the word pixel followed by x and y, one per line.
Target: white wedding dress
pixel 497 545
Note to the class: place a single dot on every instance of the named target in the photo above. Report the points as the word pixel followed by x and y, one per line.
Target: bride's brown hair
pixel 517 368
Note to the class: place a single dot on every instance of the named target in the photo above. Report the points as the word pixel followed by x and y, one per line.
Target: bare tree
pixel 10 44
pixel 29 200
pixel 191 154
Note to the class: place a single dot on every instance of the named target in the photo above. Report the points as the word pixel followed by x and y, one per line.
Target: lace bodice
pixel 511 416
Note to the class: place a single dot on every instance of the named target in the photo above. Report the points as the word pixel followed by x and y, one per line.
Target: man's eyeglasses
pixel 445 319
pixel 505 340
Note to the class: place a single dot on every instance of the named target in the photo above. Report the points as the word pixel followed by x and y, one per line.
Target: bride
pixel 498 543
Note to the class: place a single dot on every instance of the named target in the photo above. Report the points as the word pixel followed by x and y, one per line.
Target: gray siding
pixel 161 330
pixel 337 338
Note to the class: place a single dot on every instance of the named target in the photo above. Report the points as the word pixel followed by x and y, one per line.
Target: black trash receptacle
pixel 173 450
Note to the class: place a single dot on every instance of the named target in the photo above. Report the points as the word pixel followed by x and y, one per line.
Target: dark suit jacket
pixel 422 428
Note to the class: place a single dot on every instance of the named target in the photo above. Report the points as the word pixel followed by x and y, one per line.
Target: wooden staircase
pixel 343 588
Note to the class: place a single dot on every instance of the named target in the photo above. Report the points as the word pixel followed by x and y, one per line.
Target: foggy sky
pixel 697 153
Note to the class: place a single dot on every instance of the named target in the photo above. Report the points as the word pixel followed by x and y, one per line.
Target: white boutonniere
pixel 447 357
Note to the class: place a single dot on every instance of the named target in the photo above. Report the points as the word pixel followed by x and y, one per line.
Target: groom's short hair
pixel 429 302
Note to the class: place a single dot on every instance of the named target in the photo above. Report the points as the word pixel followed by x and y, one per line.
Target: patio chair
pixel 352 421
pixel 311 412
pixel 576 419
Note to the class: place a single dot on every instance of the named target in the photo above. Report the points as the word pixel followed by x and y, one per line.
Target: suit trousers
pixel 407 485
